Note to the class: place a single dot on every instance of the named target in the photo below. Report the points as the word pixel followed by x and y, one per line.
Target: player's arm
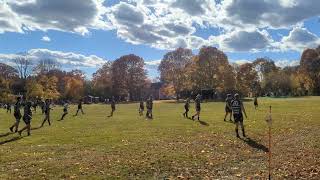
pixel 243 110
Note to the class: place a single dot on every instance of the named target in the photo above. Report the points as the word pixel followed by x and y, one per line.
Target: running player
pixel 237 109
pixel 186 108
pixel 255 102
pixel 149 104
pixel 47 112
pixel 141 108
pixel 17 115
pixel 79 108
pixel 228 108
pixel 198 107
pixel 27 117
pixel 65 110
pixel 113 106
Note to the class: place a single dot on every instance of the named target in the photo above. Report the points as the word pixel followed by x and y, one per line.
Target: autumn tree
pixel 310 67
pixel 50 88
pixel 34 89
pixel 128 76
pixel 172 68
pixel 102 81
pixel 247 78
pixel 7 72
pixel 213 71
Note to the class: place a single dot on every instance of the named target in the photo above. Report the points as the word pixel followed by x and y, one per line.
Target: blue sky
pixel 84 34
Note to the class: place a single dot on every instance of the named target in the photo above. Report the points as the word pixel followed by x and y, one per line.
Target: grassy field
pixel 127 146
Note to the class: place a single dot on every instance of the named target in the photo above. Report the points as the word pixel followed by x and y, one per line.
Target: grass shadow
pixel 35 128
pixel 6 134
pixel 254 144
pixel 10 140
pixel 204 123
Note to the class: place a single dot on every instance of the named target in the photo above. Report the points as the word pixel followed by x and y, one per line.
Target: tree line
pixel 210 70
pixel 182 74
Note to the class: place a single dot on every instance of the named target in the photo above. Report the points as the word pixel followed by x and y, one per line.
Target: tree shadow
pixel 10 140
pixel 252 143
pixel 6 134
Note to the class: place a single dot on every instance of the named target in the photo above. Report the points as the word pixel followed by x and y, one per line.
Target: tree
pixel 34 89
pixel 49 84
pixel 310 67
pixel 247 78
pixel 128 76
pixel 46 65
pixel 73 88
pixel 8 72
pixel 212 70
pixel 102 81
pixel 264 66
pixel 23 66
pixel 172 68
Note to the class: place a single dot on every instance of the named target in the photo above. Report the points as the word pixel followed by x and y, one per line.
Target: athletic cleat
pixel 11 129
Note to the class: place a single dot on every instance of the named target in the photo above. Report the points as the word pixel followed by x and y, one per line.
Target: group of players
pixel 234 106
pixel 27 113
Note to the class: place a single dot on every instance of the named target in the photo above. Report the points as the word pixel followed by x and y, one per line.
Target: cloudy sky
pixel 84 34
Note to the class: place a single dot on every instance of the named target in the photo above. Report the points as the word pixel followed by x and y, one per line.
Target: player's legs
pixel 237 128
pixel 77 112
pixel 44 120
pixel 242 128
pixel 63 115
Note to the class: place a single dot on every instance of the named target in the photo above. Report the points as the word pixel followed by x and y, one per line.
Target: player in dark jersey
pixel 186 108
pixel 42 105
pixel 113 106
pixel 34 105
pixel 65 110
pixel 27 117
pixel 8 108
pixel 237 109
pixel 141 107
pixel 79 108
pixel 255 102
pixel 17 115
pixel 228 108
pixel 149 104
pixel 198 107
pixel 47 112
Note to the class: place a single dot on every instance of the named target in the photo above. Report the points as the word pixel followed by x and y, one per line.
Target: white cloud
pixel 298 39
pixel 77 16
pixel 240 40
pixel 46 39
pixel 166 24
pixel 67 59
pixel 286 63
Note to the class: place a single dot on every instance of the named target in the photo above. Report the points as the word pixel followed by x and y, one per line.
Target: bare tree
pixel 23 66
pixel 46 65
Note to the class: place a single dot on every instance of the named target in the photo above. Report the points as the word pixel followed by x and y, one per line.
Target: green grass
pixel 127 146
